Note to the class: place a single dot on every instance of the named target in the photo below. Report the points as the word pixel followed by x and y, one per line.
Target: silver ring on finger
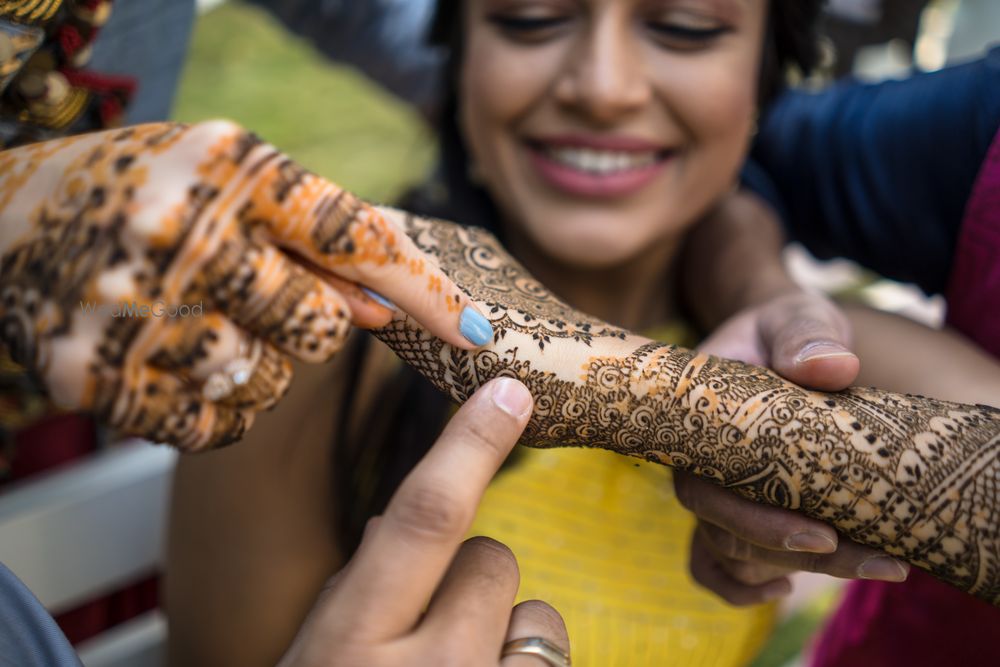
pixel 236 373
pixel 538 647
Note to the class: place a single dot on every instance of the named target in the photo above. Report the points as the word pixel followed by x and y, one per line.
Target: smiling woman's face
pixel 603 127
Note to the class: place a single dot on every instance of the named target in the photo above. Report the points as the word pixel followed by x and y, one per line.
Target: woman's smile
pixel 596 166
pixel 603 129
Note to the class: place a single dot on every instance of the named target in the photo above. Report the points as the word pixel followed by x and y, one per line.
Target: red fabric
pixel 974 289
pixel 51 442
pixel 70 40
pixel 113 93
pixel 923 622
pixel 92 618
pixel 918 623
pixel 101 83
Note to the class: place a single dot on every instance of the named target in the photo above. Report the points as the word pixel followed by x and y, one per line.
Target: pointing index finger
pixel 338 232
pixel 401 562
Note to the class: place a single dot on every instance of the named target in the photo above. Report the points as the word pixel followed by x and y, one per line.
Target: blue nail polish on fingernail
pixel 475 327
pixel 379 299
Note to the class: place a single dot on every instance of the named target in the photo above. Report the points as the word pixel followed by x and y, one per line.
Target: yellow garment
pixel 602 538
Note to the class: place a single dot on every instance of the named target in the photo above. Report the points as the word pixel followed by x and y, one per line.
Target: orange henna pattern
pixel 916 477
pixel 107 238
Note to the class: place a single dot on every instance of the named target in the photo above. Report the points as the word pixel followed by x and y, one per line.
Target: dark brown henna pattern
pixel 913 476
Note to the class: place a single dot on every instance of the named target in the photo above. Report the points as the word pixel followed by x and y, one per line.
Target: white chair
pixel 86 529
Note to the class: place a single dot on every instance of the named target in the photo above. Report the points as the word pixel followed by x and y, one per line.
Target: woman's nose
pixel 604 77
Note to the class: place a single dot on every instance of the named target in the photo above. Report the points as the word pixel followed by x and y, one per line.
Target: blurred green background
pixel 247 68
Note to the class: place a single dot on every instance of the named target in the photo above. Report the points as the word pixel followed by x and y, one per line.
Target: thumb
pixel 807 339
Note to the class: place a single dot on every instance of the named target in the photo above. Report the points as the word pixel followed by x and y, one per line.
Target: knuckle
pixel 220 128
pixel 808 562
pixel 767 526
pixel 317 328
pixel 429 513
pixel 750 574
pixel 61 379
pixel 358 231
pixel 727 544
pixel 837 564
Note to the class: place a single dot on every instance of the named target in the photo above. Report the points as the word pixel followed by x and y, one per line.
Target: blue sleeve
pixel 385 39
pixel 148 41
pixel 880 173
pixel 28 635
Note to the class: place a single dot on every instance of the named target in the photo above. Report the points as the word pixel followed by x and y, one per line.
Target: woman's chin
pixel 589 252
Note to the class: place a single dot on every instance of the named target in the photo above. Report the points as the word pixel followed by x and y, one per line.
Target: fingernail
pixel 822 350
pixel 512 397
pixel 883 568
pixel 815 543
pixel 475 327
pixel 379 299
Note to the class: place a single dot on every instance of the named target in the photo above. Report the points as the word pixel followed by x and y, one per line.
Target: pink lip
pixel 597 186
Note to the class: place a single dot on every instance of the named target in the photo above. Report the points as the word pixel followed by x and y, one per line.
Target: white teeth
pixel 601 162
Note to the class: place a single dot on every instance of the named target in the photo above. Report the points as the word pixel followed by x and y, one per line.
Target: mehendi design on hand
pixel 178 215
pixel 162 216
pixel 913 476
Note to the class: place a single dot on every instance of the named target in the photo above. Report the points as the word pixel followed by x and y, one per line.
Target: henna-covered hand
pixel 741 550
pixel 159 275
pixel 915 477
pixel 733 263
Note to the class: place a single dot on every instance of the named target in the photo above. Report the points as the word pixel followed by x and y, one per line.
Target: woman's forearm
pixel 950 366
pixel 914 476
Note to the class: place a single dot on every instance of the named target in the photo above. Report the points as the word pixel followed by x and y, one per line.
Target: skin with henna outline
pixel 913 476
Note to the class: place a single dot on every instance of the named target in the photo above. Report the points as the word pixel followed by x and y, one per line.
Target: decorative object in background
pixel 46 90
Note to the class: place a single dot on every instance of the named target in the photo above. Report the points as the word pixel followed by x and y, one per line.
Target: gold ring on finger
pixel 538 647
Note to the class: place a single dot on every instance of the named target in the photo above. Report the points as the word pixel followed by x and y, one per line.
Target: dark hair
pixel 409 413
